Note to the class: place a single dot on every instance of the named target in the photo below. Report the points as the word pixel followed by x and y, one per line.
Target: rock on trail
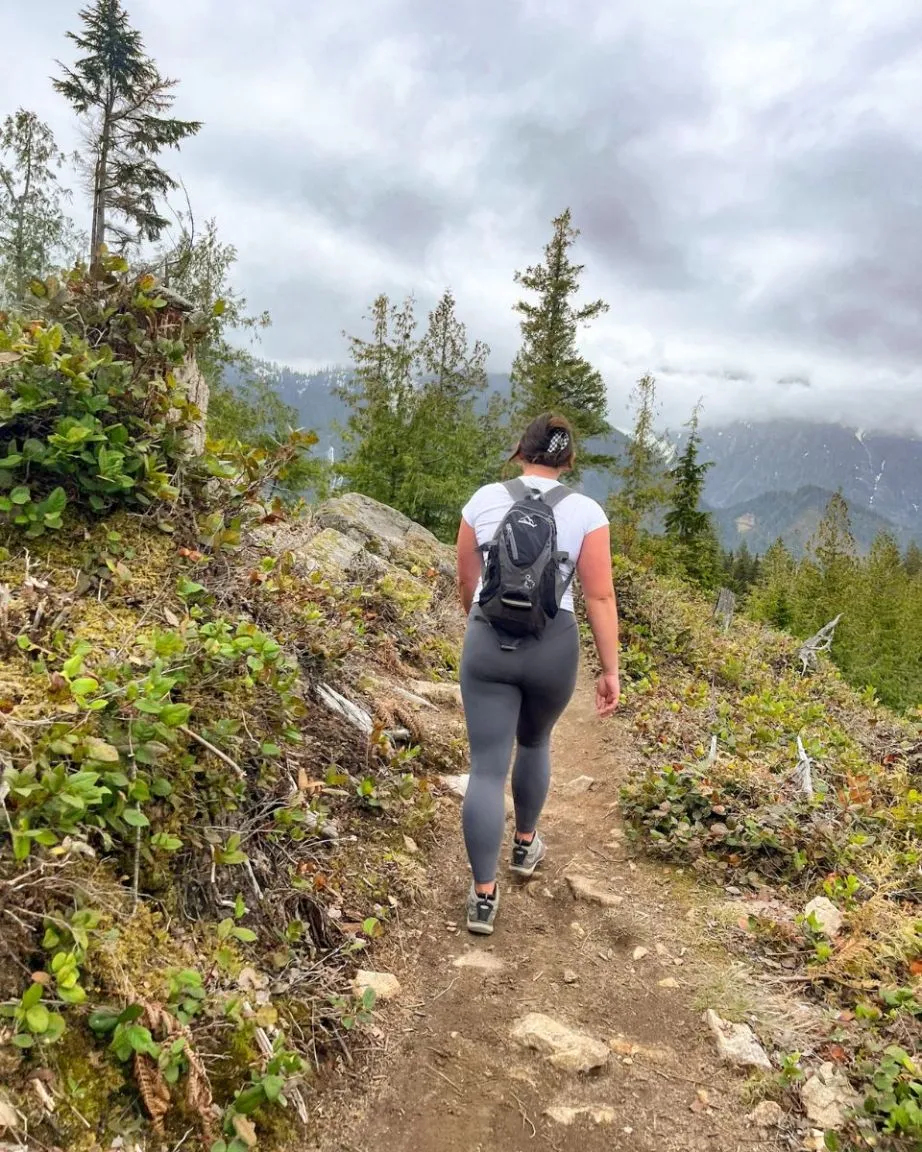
pixel 584 889
pixel 384 985
pixel 737 1043
pixel 482 961
pixel 567 1114
pixel 564 1047
pixel 828 1097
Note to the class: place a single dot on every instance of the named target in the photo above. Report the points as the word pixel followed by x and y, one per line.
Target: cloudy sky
pixel 747 178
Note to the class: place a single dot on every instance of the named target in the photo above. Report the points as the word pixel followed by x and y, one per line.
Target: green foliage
pixel 90 412
pixel 78 783
pixel 643 486
pixel 895 1099
pixel 415 439
pixel 739 815
pixel 690 530
pixel 549 374
pixel 119 88
pixel 244 409
pixel 741 570
pixel 33 1023
pixel 879 638
pixel 265 1090
pixel 35 232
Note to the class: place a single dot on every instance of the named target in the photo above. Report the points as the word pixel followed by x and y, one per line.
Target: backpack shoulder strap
pixel 516 488
pixel 555 495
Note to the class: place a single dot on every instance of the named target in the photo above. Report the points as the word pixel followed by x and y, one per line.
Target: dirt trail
pixel 450 1078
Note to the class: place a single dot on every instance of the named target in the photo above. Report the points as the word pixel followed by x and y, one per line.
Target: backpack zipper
pixel 510 541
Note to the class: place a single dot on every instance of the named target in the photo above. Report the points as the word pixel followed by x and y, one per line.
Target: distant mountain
pixel 769 479
pixel 880 474
pixel 794 517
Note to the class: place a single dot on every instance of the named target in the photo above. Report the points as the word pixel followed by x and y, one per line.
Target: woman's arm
pixel 468 565
pixel 594 569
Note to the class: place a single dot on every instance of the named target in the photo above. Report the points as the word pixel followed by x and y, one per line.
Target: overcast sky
pixel 747 178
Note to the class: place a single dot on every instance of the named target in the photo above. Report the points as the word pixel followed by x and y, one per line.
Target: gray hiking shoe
pixel 481 912
pixel 527 857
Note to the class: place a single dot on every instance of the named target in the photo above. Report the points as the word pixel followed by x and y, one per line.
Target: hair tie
pixel 557 443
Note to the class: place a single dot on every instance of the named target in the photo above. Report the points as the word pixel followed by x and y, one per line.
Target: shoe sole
pixel 478 929
pixel 527 872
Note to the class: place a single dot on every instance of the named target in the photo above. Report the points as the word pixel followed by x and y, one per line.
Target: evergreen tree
pixel 745 569
pixel 549 374
pixel 688 527
pixel 643 485
pixel 415 439
pixel 381 396
pixel 35 231
pixel 117 87
pixel 827 572
pixel 454 448
pixel 771 598
pixel 874 651
pixel 912 561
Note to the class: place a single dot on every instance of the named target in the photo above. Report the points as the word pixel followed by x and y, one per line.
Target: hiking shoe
pixel 527 857
pixel 481 912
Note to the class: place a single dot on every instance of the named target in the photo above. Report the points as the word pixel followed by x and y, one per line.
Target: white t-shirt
pixel 576 517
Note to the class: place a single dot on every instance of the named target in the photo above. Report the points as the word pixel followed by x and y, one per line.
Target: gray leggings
pixel 509 697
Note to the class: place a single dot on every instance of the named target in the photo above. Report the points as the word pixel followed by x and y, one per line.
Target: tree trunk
pixel 98 231
pixel 192 379
pixel 19 258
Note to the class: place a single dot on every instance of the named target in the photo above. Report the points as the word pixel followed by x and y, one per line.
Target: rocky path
pixel 478 1051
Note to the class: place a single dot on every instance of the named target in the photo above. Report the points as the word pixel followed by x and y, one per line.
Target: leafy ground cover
pixel 196 849
pixel 740 813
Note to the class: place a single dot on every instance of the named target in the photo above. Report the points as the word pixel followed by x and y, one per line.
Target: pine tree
pixel 874 650
pixel 745 569
pixel 643 486
pixel 415 437
pixel 771 598
pixel 690 528
pixel 454 448
pixel 912 561
pixel 381 396
pixel 125 100
pixel 35 231
pixel 549 374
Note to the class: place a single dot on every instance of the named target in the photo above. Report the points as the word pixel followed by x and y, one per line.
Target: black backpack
pixel 522 582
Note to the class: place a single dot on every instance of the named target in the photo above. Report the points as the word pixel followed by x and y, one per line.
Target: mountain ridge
pixel 764 469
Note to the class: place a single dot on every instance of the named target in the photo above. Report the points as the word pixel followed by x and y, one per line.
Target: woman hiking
pixel 519 545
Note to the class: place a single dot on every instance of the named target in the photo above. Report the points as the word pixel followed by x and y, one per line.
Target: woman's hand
pixel 607 694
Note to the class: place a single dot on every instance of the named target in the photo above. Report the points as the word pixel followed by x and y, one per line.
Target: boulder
pixel 328 552
pixel 737 1043
pixel 382 530
pixel 564 1047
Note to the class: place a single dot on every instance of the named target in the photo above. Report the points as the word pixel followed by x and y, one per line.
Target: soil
pixel 448 1077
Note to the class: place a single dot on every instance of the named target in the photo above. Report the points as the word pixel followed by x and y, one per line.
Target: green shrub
pixel 91 412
